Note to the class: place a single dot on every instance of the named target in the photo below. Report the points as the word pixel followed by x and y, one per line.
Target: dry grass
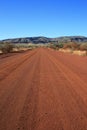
pixel 20 49
pixel 81 53
pixel 77 52
pixel 66 50
pixel 0 51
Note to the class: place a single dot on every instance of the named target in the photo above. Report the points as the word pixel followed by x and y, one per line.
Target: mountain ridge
pixel 42 39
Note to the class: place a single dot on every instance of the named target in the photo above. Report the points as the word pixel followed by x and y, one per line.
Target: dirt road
pixel 43 89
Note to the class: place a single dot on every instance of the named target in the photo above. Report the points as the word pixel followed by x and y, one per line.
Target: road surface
pixel 43 89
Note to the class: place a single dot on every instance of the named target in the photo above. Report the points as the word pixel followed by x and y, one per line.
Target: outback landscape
pixel 43 83
pixel 71 44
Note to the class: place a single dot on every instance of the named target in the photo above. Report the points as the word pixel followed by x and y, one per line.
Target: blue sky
pixel 50 18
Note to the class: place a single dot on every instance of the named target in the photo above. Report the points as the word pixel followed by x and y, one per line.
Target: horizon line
pixel 42 36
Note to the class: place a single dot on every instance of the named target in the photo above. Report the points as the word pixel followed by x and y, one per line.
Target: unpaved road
pixel 43 89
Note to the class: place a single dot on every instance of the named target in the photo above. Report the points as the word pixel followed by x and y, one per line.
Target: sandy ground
pixel 43 89
pixel 77 52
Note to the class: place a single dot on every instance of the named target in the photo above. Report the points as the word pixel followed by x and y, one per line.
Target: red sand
pixel 43 89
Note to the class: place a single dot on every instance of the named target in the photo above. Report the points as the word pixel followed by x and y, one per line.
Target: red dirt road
pixel 43 89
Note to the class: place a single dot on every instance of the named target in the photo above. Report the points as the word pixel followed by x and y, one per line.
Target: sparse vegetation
pixel 9 47
pixel 71 45
pixel 20 46
pixel 6 47
pixel 83 47
pixel 55 46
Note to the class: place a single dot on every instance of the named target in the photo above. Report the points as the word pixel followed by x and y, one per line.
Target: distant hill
pixel 44 40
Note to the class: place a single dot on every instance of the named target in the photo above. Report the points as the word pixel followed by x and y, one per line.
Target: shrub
pixel 7 47
pixel 71 45
pixel 83 46
pixel 53 46
pixel 60 45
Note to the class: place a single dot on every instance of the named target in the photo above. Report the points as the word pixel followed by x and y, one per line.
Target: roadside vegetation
pixel 9 47
pixel 56 46
pixel 71 47
pixel 83 47
pixel 6 47
pixel 23 47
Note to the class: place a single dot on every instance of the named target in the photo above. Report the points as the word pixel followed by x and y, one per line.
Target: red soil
pixel 43 89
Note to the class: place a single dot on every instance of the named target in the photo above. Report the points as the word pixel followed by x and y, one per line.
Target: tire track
pixel 72 77
pixel 9 68
pixel 14 97
pixel 42 94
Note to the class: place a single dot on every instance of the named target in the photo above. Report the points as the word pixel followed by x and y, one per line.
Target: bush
pixel 59 45
pixel 53 46
pixel 83 47
pixel 71 45
pixel 1 45
pixel 7 47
